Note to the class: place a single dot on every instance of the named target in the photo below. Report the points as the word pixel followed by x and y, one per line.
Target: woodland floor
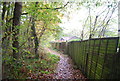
pixel 65 68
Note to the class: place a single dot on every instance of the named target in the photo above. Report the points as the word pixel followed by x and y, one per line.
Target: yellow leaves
pixel 44 18
pixel 30 71
pixel 32 37
pixel 39 23
pixel 8 17
pixel 61 15
pixel 40 11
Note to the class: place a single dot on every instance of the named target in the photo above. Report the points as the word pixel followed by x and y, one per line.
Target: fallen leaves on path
pixel 65 68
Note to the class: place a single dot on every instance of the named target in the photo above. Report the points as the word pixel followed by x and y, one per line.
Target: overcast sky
pixel 74 20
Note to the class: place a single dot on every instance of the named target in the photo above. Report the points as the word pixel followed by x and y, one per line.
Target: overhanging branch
pixel 50 8
pixel 56 8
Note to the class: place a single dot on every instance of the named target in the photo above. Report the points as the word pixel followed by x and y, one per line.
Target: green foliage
pixel 54 58
pixel 75 40
pixel 48 18
pixel 44 18
pixel 26 67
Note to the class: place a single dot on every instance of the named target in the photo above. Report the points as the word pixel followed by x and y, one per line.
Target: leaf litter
pixel 65 68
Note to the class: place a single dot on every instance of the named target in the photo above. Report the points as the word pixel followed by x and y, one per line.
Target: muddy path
pixel 65 68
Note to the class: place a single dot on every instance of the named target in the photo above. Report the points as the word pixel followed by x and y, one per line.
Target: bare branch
pixel 84 28
pixel 102 12
pixel 90 23
pixel 94 25
pixel 104 27
pixel 50 8
pixel 56 8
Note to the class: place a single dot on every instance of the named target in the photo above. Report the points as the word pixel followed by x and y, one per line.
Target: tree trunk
pixel 35 38
pixel 3 12
pixel 36 41
pixel 6 28
pixel 2 23
pixel 15 29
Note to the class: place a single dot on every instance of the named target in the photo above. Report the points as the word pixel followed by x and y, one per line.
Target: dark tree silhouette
pixel 15 29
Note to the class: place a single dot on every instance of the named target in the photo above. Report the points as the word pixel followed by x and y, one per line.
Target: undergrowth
pixel 31 68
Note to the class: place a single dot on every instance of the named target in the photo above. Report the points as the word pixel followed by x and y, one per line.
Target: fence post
pixel 86 66
pixel 92 58
pixel 104 59
pixel 97 58
pixel 85 58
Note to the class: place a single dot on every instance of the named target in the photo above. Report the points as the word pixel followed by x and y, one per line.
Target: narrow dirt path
pixel 65 68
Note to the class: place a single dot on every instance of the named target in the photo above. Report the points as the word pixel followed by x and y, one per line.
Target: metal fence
pixel 96 58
